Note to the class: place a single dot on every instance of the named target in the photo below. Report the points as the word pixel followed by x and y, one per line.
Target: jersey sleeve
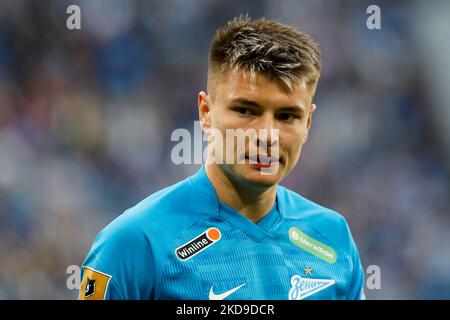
pixel 356 288
pixel 119 265
pixel 97 285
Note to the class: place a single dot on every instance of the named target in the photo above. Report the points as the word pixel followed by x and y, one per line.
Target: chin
pixel 260 177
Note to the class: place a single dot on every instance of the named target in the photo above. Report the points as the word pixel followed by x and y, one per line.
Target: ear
pixel 312 108
pixel 204 111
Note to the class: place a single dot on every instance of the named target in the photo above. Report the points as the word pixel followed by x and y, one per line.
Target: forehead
pixel 261 89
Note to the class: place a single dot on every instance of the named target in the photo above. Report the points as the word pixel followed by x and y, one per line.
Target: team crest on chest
pixel 302 288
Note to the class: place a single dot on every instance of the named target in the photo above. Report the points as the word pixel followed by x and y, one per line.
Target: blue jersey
pixel 183 243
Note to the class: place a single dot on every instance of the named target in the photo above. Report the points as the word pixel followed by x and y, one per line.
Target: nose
pixel 268 134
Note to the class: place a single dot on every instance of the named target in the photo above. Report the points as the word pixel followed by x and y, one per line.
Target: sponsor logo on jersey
pixel 94 284
pixel 305 287
pixel 312 246
pixel 197 245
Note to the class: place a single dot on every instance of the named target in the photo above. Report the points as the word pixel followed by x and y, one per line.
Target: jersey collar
pixel 208 196
pixel 201 184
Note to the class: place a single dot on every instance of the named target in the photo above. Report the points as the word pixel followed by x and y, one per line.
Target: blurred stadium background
pixel 86 118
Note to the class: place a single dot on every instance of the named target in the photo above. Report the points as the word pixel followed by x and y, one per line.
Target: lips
pixel 263 161
pixel 264 165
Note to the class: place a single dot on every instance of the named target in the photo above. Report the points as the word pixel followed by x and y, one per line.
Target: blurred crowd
pixel 86 118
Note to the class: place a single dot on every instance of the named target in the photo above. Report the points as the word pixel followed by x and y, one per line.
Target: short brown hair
pixel 268 47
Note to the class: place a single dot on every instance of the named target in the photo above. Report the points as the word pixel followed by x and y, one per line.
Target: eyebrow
pixel 251 103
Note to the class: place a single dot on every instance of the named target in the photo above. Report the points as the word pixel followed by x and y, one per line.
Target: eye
pixel 288 117
pixel 244 111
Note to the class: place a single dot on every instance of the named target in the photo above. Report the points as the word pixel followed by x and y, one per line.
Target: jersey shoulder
pixel 162 215
pixel 328 222
pixel 133 248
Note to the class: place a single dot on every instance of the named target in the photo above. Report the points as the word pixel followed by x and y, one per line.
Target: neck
pixel 253 203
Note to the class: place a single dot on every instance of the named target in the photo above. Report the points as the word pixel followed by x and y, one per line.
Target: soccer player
pixel 231 231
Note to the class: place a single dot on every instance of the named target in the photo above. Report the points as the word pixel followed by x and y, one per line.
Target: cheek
pixel 218 122
pixel 222 119
pixel 294 138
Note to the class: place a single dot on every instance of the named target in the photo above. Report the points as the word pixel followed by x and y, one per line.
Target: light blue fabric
pixel 138 249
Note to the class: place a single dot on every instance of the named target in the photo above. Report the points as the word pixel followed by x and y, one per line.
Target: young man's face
pixel 239 101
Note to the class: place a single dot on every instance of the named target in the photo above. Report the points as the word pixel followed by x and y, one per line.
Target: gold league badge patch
pixel 94 285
